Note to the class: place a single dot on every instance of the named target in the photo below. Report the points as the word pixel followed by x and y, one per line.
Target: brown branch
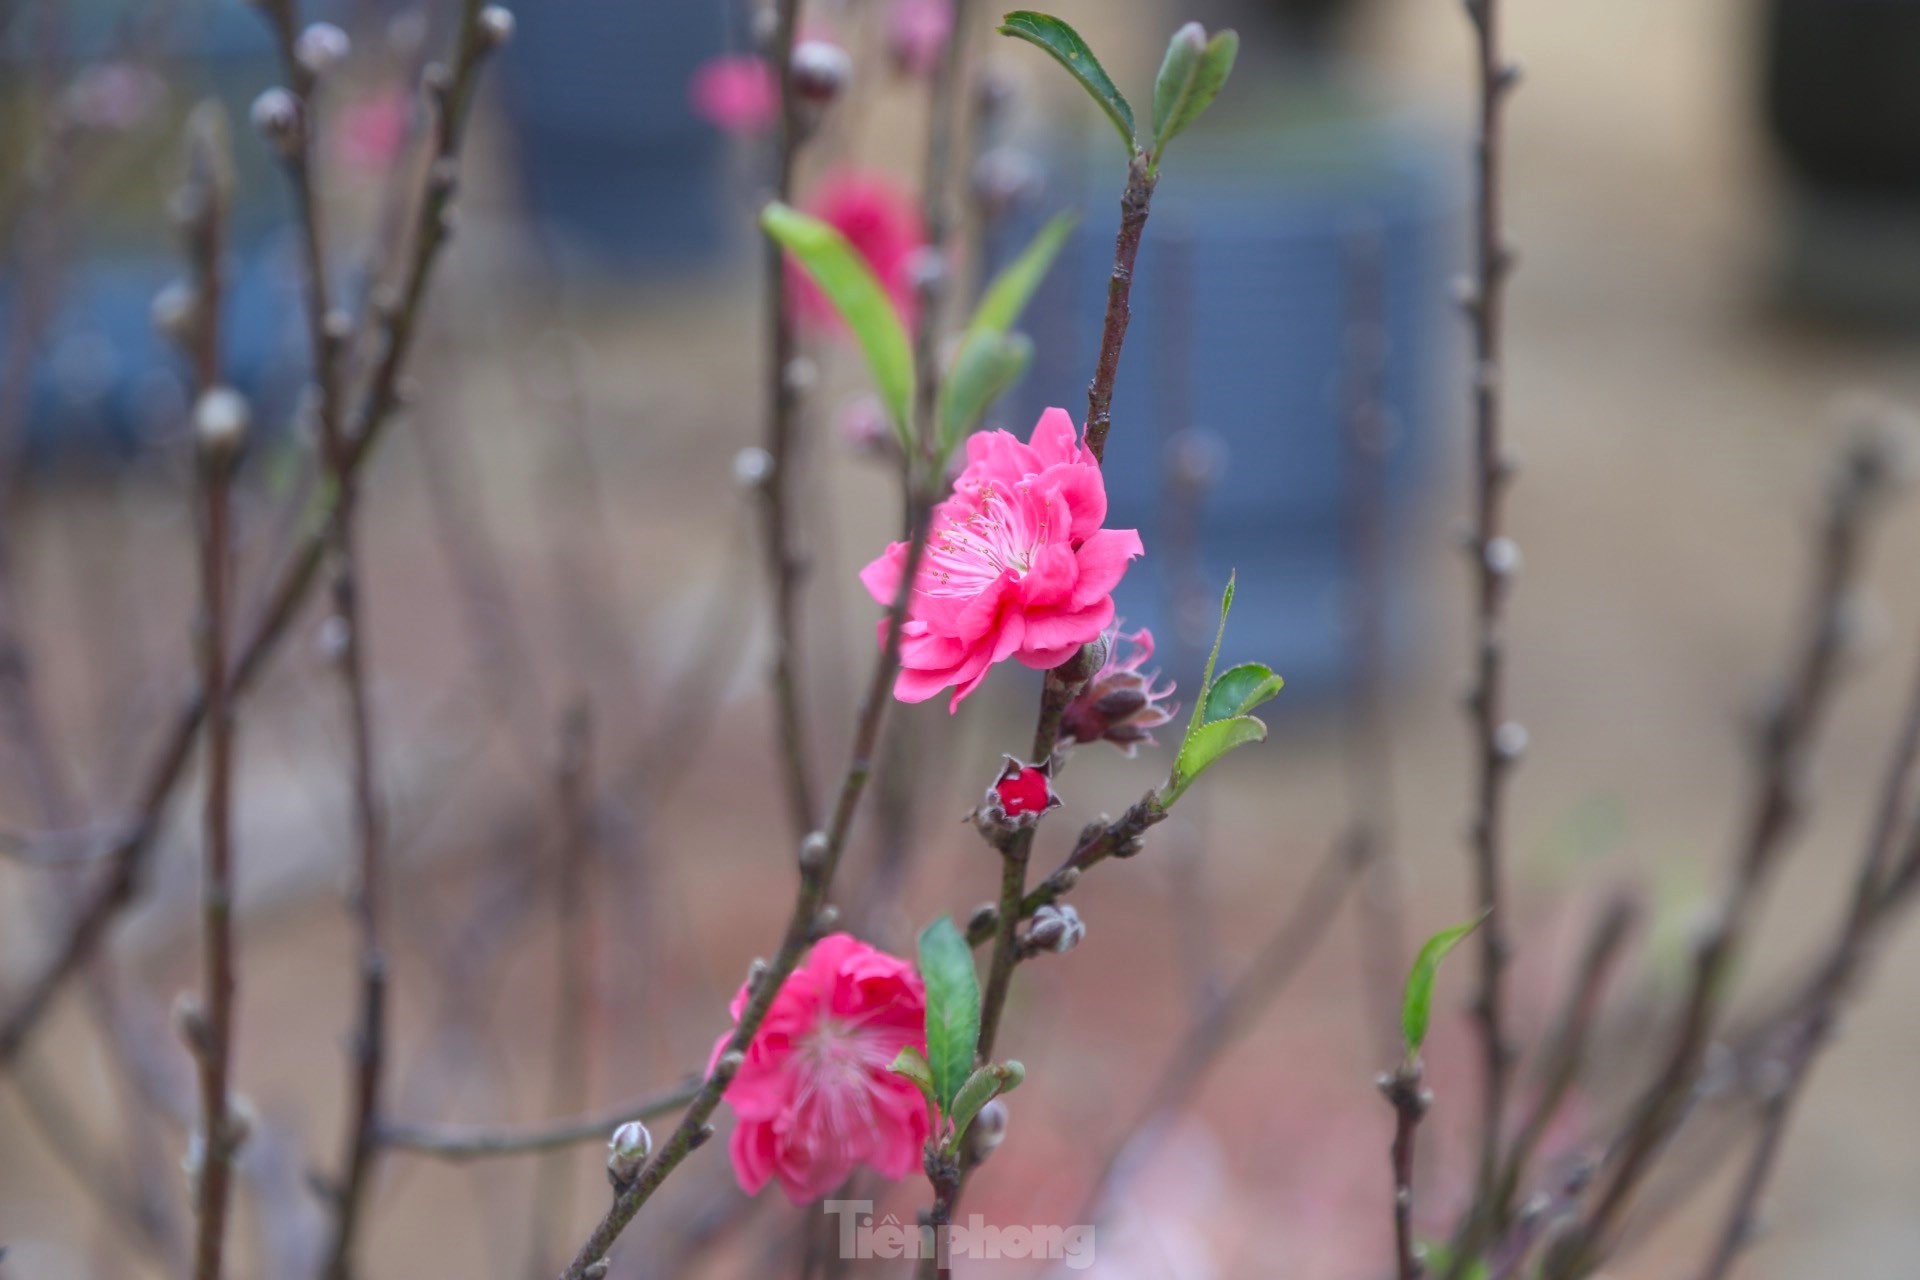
pixel 577 942
pixel 1222 1024
pixel 1850 949
pixel 819 858
pixel 1786 739
pixel 219 425
pixel 1410 1101
pixel 1497 742
pixel 395 320
pixel 784 568
pixel 477 1142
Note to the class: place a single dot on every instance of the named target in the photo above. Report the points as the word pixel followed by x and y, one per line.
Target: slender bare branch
pixel 477 1142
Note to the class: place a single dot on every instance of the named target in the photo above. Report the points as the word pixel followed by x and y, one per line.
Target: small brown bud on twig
pixel 1510 740
pixel 727 1065
pixel 176 312
pixel 190 1022
pixel 276 117
pixel 989 1129
pixel 752 467
pixel 813 853
pixel 1503 556
pixel 627 1151
pixel 496 25
pixel 597 1270
pixel 701 1138
pixel 984 917
pixel 220 419
pixel 821 71
pixel 321 48
pixel 825 922
pixel 1056 928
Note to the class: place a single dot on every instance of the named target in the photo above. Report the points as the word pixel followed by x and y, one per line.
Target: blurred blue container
pixel 103 383
pixel 610 152
pixel 1242 303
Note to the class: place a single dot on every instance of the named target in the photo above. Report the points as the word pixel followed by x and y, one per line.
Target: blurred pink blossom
pixel 816 1097
pixel 373 130
pixel 737 93
pixel 882 223
pixel 917 31
pixel 1017 564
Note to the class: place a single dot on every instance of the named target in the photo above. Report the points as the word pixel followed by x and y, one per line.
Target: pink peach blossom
pixel 1017 564
pixel 1119 704
pixel 815 1098
pixel 736 92
pixel 917 31
pixel 882 223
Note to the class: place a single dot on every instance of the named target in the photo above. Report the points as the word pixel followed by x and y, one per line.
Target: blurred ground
pixel 1674 431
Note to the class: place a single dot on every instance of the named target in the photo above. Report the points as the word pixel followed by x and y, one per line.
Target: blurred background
pixel 1717 210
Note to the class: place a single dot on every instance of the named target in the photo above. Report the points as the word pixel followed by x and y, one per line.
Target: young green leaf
pixel 953 1008
pixel 982 1087
pixel 859 299
pixel 1417 1008
pixel 1007 296
pixel 910 1063
pixel 1065 44
pixel 1206 678
pixel 988 363
pixel 1240 689
pixel 1204 746
pixel 1191 77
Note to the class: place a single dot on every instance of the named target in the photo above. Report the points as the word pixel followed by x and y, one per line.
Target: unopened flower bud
pixel 752 467
pixel 175 312
pixel 821 70
pixel 1503 556
pixel 321 48
pixel 984 916
pixel 813 852
pixel 1119 704
pixel 276 117
pixel 220 419
pixel 190 1022
pixel 1020 794
pixel 496 25
pixel 989 1129
pixel 627 1150
pixel 1510 740
pixel 1056 928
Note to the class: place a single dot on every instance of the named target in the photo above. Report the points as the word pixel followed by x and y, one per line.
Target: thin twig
pixel 1410 1100
pixel 396 320
pixel 577 945
pixel 1222 1024
pixel 783 417
pixel 1853 941
pixel 1786 739
pixel 1497 743
pixel 819 858
pixel 219 429
pixel 476 1142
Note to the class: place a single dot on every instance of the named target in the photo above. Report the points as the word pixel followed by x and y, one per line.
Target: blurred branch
pixel 395 321
pixel 1410 1100
pixel 819 857
pixel 1786 738
pixel 783 412
pixel 1498 742
pixel 1811 1032
pixel 454 1142
pixel 576 939
pixel 219 427
pixel 1226 1019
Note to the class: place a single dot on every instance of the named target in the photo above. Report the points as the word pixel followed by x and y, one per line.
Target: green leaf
pixel 982 1087
pixel 1417 1008
pixel 860 300
pixel 1191 76
pixel 1438 1258
pixel 1065 44
pixel 1240 689
pixel 1000 306
pixel 988 363
pixel 912 1064
pixel 953 1008
pixel 1206 678
pixel 1205 745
